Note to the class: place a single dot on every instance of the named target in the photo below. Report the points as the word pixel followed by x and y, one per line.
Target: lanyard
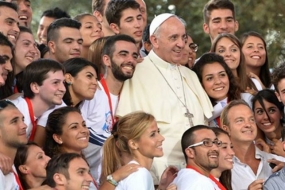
pixel 18 181
pixel 103 82
pixel 94 182
pixel 32 117
pixel 211 177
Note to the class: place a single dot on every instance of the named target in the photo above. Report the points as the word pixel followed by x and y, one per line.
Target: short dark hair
pixel 9 5
pixel 60 164
pixel 36 72
pixel 25 29
pixel 277 75
pixel 188 137
pixel 217 4
pixel 56 13
pixel 116 7
pixel 145 36
pixel 4 41
pixel 52 32
pixel 109 46
pixel 210 58
pixel 98 5
pixel 73 66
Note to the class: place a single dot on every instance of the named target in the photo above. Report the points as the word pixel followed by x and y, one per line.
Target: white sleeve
pixel 2 180
pixel 140 180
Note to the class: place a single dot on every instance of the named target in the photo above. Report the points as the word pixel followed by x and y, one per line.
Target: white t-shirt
pixel 22 105
pixel 139 180
pixel 8 182
pixel 242 174
pixel 99 122
pixel 190 179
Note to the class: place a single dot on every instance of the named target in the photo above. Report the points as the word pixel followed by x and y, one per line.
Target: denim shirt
pixel 276 181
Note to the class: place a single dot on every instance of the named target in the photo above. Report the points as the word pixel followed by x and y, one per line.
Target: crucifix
pixel 189 116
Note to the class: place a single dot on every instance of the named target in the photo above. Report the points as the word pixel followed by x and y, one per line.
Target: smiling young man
pixel 125 17
pixel 43 90
pixel 119 57
pixel 64 39
pixel 251 165
pixel 219 17
pixel 12 136
pixel 9 21
pixel 25 12
pixel 47 18
pixel 201 152
pixel 68 171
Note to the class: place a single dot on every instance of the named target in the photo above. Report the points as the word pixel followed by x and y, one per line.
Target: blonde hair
pixel 129 127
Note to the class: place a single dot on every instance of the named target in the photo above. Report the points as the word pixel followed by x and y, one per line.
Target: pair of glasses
pixel 208 143
pixel 194 47
pixel 5 103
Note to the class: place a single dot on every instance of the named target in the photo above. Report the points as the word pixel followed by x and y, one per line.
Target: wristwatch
pixel 111 180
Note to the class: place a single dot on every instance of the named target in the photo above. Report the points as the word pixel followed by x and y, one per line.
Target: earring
pixel 60 142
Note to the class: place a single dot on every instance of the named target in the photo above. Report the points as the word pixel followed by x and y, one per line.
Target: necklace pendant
pixel 189 116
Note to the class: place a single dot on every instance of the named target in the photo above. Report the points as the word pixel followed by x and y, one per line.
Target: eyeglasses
pixel 194 47
pixel 5 103
pixel 207 143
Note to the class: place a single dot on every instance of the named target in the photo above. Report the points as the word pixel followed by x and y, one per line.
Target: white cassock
pixel 148 91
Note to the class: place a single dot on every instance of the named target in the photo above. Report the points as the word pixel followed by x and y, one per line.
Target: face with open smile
pixel 52 89
pixel 230 52
pixel 75 135
pixel 215 81
pixel 254 52
pixel 170 40
pixel 123 61
pixel 79 175
pixel 220 21
pixel 25 50
pixel 242 126
pixel 266 124
pixel 150 143
pixel 226 153
pixel 9 23
pixel 25 12
pixel 207 158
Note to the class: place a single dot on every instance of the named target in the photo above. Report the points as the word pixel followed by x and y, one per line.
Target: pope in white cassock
pixel 169 91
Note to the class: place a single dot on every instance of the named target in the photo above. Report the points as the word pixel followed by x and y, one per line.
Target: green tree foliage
pixel 263 16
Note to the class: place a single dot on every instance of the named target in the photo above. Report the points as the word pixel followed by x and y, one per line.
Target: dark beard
pixel 118 74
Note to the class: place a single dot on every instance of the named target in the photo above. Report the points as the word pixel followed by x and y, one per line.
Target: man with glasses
pixel 201 152
pixel 12 136
pixel 251 165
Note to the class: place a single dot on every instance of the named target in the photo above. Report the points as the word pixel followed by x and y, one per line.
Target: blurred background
pixel 263 16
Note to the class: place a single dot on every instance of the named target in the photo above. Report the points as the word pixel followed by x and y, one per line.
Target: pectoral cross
pixel 189 116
